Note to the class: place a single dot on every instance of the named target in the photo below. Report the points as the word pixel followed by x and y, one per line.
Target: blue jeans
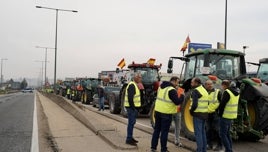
pixel 177 121
pixel 213 129
pixel 101 103
pixel 162 125
pixel 131 114
pixel 225 126
pixel 200 134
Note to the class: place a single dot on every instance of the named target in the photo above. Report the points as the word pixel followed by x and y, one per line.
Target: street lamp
pixel 42 69
pixel 45 60
pixel 225 33
pixel 2 59
pixel 57 10
pixel 244 48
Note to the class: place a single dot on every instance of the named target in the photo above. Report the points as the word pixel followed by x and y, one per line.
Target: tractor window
pixel 263 72
pixel 224 66
pixel 149 75
pixel 194 66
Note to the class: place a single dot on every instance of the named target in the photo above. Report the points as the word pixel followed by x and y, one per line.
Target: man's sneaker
pixel 153 150
pixel 209 147
pixel 134 140
pixel 218 148
pixel 132 143
pixel 178 144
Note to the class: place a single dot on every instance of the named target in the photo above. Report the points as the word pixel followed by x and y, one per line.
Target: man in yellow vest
pixel 212 125
pixel 165 106
pixel 199 111
pixel 68 93
pixel 132 102
pixel 227 112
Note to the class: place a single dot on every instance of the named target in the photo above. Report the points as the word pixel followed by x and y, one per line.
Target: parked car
pixel 109 91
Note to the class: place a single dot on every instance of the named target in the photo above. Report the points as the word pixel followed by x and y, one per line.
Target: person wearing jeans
pixel 227 112
pixel 101 97
pixel 131 103
pixel 199 111
pixel 177 122
pixel 165 106
pixel 177 119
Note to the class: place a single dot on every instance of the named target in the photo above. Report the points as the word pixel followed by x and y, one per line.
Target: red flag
pixel 184 47
pixel 122 63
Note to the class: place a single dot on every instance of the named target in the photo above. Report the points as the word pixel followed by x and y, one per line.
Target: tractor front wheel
pixel 187 125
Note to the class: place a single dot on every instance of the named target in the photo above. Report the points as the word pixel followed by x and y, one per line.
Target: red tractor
pixel 150 81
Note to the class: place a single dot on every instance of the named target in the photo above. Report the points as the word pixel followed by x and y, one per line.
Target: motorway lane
pixel 16 122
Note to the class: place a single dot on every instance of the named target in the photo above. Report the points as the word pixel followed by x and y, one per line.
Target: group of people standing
pixel 211 111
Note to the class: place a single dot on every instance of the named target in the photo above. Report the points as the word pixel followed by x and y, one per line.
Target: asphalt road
pixel 16 122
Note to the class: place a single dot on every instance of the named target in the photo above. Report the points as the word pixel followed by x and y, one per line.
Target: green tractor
pixel 84 88
pixel 252 121
pixel 262 72
pixel 89 89
pixel 63 86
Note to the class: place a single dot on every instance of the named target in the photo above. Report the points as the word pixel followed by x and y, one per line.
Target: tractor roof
pixel 144 65
pixel 263 60
pixel 216 51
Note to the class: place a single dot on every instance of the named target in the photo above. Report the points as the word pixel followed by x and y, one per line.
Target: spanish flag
pixel 151 61
pixel 184 47
pixel 122 63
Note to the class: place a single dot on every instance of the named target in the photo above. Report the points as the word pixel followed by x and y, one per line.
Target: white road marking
pixel 35 142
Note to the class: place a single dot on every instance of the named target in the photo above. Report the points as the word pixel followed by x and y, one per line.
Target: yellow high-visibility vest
pixel 230 110
pixel 163 103
pixel 68 91
pixel 137 96
pixel 202 104
pixel 213 102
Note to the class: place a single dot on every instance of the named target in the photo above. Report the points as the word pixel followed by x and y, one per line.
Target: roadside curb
pixel 110 135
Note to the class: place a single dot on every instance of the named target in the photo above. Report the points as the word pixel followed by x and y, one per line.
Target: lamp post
pixel 2 59
pixel 244 48
pixel 42 69
pixel 46 48
pixel 225 32
pixel 56 35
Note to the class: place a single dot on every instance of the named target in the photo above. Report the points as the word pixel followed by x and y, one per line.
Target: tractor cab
pixel 263 70
pixel 225 64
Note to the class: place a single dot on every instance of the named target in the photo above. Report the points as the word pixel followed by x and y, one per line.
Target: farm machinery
pixel 252 121
pixel 150 82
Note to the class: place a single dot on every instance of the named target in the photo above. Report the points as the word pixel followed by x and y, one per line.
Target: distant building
pixel 15 85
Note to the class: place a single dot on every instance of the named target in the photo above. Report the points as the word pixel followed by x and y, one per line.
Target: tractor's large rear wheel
pixel 187 125
pixel 258 115
pixel 113 105
pixel 122 99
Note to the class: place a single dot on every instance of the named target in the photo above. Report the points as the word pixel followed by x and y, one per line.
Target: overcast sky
pixel 105 31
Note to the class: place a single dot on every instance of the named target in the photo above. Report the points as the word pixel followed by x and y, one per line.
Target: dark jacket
pixel 225 98
pixel 172 94
pixel 101 92
pixel 131 92
pixel 195 96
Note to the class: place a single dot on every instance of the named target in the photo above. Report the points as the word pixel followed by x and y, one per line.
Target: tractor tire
pixel 187 125
pixel 122 99
pixel 258 119
pixel 113 105
pixel 257 105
